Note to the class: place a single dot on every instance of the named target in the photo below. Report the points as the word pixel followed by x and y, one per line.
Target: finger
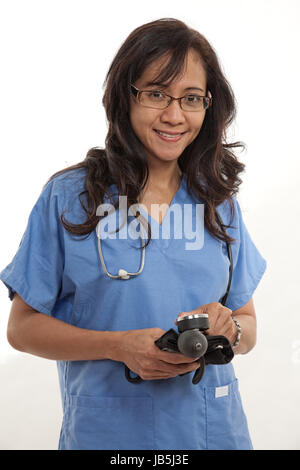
pixel 163 372
pixel 175 358
pixel 201 309
pixel 155 375
pixel 178 369
pixel 224 319
pixel 182 314
pixel 218 316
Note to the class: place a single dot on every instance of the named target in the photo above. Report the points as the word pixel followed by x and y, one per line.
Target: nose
pixel 173 114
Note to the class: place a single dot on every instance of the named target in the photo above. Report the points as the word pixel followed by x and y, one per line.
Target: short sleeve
pixel 248 264
pixel 35 272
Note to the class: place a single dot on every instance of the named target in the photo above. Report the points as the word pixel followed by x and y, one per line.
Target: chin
pixel 166 155
pixel 167 158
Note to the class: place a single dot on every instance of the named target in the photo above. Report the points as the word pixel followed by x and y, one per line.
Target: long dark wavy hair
pixel 209 163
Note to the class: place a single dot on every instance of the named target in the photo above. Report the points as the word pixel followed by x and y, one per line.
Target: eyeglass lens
pixel 159 100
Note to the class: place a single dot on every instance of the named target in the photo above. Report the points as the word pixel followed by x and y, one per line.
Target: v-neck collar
pixel 151 219
pixel 158 230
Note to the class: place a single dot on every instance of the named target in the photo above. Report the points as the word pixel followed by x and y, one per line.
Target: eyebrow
pixel 161 85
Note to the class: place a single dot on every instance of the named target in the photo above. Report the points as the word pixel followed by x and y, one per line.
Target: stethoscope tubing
pixel 124 275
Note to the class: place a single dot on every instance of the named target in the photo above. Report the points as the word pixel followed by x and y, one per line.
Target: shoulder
pixel 64 188
pixel 69 182
pixel 60 195
pixel 231 215
pixel 229 210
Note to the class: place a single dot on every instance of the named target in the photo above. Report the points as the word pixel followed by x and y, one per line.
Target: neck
pixel 164 177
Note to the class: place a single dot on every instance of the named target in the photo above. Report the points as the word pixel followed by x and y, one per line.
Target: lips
pixel 169 136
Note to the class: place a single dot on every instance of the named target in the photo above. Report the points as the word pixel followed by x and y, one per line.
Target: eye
pixel 156 95
pixel 193 99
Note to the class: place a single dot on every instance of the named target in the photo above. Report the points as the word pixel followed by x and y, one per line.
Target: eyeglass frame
pixel 209 97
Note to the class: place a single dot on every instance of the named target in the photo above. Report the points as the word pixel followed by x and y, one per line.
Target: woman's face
pixel 181 127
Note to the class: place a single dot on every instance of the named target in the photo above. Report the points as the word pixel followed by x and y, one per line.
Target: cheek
pixel 198 123
pixel 195 125
pixel 141 121
pixel 134 119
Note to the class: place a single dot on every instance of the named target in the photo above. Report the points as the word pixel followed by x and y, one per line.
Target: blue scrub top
pixel 61 275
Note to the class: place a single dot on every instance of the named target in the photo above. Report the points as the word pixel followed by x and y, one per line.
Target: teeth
pixel 168 135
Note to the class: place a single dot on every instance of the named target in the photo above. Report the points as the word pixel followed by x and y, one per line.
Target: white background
pixel 54 57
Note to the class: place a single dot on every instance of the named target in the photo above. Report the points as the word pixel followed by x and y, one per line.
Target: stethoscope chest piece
pixel 123 274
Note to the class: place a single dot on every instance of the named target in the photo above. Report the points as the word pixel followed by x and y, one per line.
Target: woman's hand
pixel 138 351
pixel 220 320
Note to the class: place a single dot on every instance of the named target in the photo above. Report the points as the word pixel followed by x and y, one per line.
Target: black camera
pixel 191 342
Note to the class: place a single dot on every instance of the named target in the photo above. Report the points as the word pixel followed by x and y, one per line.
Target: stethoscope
pixel 125 275
pixel 122 273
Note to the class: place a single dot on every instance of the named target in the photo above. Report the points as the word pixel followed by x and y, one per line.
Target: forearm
pixel 248 336
pixel 51 338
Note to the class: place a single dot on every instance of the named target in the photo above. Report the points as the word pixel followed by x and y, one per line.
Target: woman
pixel 168 106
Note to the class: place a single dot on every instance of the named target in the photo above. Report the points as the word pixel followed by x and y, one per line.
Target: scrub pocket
pixel 226 423
pixel 105 423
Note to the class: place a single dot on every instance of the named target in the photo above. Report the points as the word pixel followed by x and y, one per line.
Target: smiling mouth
pixel 173 137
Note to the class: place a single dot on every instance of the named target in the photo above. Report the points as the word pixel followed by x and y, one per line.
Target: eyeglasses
pixel 157 99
